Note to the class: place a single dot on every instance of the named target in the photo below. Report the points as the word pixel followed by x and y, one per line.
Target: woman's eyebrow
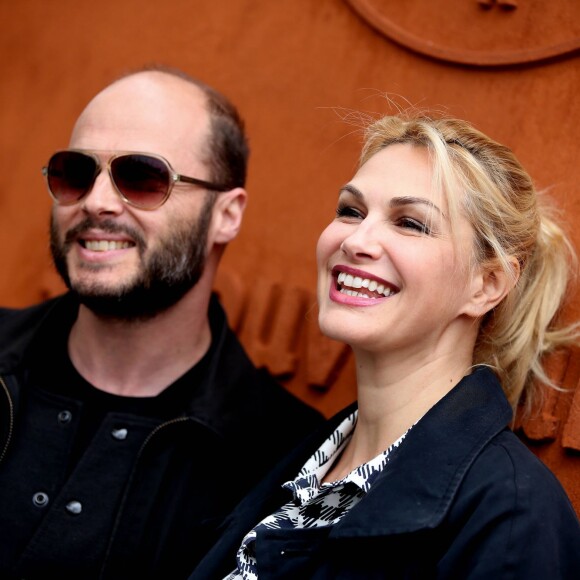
pixel 395 201
pixel 410 200
pixel 352 190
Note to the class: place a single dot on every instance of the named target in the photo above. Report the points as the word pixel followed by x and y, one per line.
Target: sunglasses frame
pixel 174 177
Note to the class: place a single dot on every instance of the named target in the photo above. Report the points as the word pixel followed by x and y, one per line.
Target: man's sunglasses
pixel 142 180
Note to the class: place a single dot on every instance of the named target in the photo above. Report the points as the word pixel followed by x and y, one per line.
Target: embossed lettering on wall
pixel 564 368
pixel 278 326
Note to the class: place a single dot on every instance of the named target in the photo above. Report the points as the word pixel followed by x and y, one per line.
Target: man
pixel 131 419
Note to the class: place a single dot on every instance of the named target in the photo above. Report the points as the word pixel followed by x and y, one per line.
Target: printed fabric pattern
pixel 314 504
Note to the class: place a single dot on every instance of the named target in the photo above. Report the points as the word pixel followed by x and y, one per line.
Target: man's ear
pixel 490 285
pixel 227 216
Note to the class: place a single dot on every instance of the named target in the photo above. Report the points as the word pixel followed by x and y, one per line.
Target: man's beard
pixel 166 275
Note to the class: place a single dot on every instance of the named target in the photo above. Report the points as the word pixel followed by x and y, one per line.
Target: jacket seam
pixel 11 419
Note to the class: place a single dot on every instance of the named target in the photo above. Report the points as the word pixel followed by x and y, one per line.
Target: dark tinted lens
pixel 143 180
pixel 70 175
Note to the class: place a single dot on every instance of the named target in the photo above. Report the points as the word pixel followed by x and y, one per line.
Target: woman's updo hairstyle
pixel 484 180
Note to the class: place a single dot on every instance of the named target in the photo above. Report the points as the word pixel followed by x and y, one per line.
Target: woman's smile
pixel 351 282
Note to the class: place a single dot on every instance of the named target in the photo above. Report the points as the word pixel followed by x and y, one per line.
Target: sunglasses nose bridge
pixel 104 195
pixel 110 173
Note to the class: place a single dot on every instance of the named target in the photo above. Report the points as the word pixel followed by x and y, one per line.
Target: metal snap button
pixel 40 499
pixel 64 417
pixel 74 507
pixel 119 434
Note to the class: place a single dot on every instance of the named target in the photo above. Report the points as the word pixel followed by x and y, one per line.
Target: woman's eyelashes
pixel 348 211
pixel 344 211
pixel 414 224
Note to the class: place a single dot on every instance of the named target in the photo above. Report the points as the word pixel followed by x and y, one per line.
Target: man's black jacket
pixel 178 486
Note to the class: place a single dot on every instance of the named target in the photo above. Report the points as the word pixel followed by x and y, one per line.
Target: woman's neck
pixel 392 397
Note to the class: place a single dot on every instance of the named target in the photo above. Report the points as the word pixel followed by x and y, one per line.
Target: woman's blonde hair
pixel 484 180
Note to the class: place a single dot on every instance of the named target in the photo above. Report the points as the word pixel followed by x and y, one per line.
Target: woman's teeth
pixel 349 284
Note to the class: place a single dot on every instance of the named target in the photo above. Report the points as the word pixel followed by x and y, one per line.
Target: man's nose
pixel 103 198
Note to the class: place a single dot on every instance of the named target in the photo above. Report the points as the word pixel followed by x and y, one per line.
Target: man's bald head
pixel 180 101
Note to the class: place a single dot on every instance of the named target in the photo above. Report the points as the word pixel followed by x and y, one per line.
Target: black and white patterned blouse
pixel 315 505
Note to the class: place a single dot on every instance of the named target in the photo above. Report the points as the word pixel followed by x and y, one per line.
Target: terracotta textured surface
pixel 455 31
pixel 295 68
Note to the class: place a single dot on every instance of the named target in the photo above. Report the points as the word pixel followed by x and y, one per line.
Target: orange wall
pixel 288 65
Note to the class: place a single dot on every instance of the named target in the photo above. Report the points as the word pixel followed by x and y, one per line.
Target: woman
pixel 444 274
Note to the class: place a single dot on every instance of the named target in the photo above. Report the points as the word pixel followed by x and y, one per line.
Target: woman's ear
pixel 228 213
pixel 491 284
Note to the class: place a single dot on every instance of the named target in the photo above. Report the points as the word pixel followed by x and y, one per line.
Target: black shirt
pixel 52 371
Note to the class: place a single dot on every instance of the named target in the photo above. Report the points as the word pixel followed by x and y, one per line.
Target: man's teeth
pixel 356 282
pixel 105 245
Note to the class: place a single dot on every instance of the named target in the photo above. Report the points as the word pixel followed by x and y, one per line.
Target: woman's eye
pixel 413 224
pixel 348 212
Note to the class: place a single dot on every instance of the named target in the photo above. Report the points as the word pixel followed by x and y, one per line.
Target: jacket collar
pixel 418 485
pixel 211 399
pixel 18 327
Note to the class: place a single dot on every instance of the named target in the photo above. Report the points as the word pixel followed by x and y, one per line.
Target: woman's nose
pixel 364 243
